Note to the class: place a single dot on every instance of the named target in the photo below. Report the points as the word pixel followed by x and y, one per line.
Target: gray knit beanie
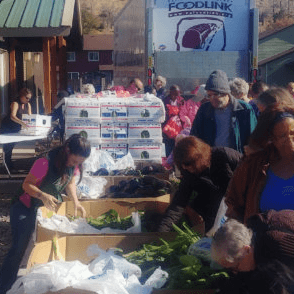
pixel 218 82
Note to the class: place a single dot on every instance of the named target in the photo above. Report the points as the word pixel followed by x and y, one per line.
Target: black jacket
pixel 210 187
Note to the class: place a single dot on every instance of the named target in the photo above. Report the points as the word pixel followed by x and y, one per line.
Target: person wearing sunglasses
pixel 12 123
pixel 223 121
pixel 260 254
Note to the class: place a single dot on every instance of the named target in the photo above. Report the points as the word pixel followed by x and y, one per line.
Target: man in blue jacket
pixel 224 120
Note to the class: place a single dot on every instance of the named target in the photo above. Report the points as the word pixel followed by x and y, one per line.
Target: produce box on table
pixel 94 208
pixel 72 248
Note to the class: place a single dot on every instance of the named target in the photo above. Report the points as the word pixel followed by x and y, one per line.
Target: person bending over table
pixel 205 170
pixel 261 254
pixel 48 177
pixel 12 123
pixel 265 179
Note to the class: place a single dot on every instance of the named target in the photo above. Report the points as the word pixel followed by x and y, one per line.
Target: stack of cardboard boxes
pixel 118 125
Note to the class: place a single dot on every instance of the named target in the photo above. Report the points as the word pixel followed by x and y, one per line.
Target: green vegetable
pixel 185 271
pixel 111 219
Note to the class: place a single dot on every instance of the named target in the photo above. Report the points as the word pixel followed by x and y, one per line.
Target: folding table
pixel 14 138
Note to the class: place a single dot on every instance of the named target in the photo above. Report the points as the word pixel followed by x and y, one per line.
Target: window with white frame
pixel 73 75
pixel 71 56
pixel 93 56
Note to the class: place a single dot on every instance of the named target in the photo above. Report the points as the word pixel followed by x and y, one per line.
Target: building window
pixel 71 56
pixel 73 75
pixel 93 56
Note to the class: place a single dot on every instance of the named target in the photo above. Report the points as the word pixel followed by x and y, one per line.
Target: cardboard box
pixel 37 124
pixel 116 150
pixel 145 130
pixel 114 131
pixel 114 109
pixel 74 248
pixel 97 207
pixel 146 151
pixel 140 108
pixel 88 127
pixel 82 107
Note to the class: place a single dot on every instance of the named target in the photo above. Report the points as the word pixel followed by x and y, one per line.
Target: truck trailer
pixel 185 40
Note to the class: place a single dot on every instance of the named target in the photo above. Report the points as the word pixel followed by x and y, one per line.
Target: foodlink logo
pixel 200 4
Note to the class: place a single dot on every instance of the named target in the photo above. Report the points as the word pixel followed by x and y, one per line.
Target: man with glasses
pixel 223 121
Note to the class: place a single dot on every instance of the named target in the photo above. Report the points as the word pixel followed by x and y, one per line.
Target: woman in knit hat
pixel 261 252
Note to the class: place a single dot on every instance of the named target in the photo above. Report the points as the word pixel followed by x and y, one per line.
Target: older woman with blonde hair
pixel 205 170
pixel 160 84
pixel 240 89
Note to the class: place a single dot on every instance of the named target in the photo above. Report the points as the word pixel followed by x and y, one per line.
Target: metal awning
pixel 36 18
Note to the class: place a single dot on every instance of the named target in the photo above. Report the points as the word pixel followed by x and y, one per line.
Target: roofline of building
pixel 281 54
pixel 261 36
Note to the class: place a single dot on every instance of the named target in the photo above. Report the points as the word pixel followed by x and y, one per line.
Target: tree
pixel 90 22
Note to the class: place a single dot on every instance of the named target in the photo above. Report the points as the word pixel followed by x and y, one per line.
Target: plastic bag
pixel 52 276
pixel 201 249
pixel 172 110
pixel 60 223
pixel 173 127
pixel 125 162
pixel 219 219
pixel 108 260
pixel 157 279
pixel 92 163
pixel 91 187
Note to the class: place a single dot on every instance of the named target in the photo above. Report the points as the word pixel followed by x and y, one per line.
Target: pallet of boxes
pixel 86 261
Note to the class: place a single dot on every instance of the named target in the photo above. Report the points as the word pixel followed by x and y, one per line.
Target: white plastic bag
pixel 219 219
pixel 91 164
pixel 107 260
pixel 91 187
pixel 157 279
pixel 60 223
pixel 125 162
pixel 52 276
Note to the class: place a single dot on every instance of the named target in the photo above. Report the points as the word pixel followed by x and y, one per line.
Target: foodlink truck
pixel 185 41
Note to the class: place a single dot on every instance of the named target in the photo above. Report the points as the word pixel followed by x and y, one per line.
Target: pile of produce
pixel 146 186
pixel 147 170
pixel 112 220
pixel 185 271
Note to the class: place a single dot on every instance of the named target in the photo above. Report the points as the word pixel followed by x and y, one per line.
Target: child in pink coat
pixel 189 109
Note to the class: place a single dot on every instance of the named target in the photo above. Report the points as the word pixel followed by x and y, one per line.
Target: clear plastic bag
pixel 219 219
pixel 91 187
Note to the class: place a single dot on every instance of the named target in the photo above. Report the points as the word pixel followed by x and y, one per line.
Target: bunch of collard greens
pixel 185 271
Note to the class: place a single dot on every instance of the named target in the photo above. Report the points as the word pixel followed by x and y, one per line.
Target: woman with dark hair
pixel 256 89
pixel 205 170
pixel 264 179
pixel 48 177
pixel 267 100
pixel 12 123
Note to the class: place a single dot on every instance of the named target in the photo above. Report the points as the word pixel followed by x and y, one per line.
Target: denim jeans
pixel 22 221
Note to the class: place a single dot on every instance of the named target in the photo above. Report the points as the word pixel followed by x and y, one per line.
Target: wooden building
pixel 35 34
pixel 93 64
pixel 276 56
